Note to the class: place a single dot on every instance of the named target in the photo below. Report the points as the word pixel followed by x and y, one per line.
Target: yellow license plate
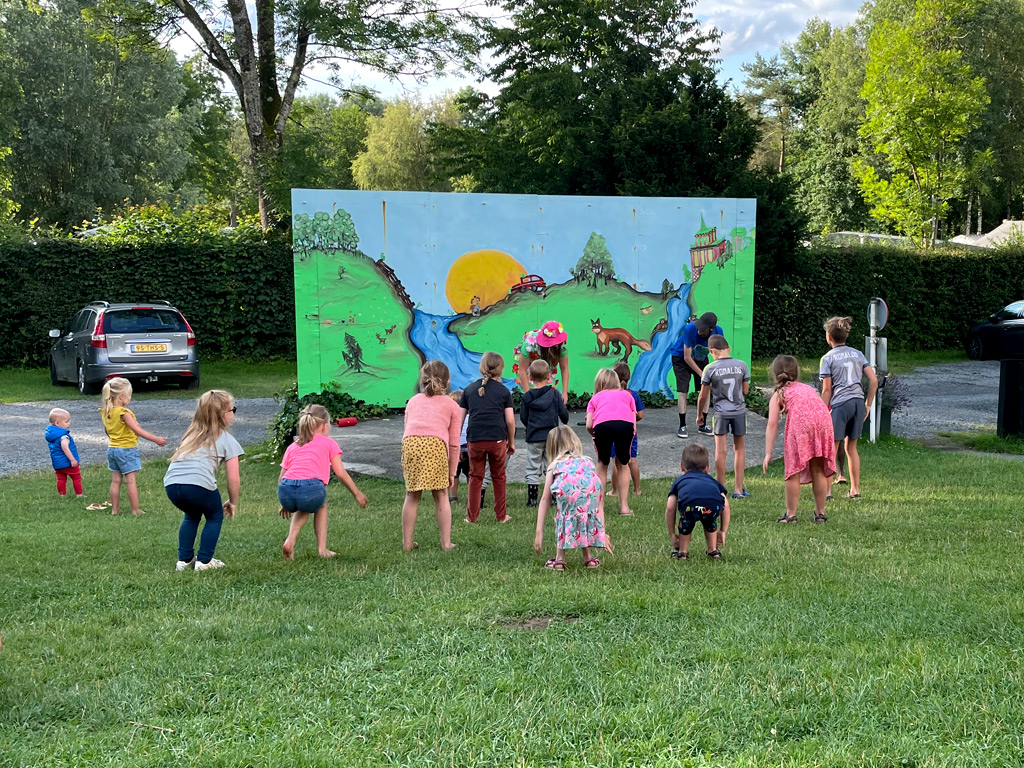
pixel 143 348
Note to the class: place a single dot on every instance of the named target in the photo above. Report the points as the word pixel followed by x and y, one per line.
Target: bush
pixel 933 296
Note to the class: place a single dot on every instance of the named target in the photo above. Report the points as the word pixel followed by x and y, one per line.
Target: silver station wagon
pixel 145 342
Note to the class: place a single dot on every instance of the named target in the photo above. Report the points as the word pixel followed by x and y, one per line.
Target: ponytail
pixel 311 418
pixel 434 378
pixel 491 366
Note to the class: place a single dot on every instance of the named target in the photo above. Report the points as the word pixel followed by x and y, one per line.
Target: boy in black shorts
pixel 697 497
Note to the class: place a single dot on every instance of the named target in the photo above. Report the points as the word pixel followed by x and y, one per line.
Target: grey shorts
pixel 848 419
pixel 123 460
pixel 723 425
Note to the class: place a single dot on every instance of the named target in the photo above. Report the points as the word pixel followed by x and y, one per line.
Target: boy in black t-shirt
pixel 541 410
pixel 697 497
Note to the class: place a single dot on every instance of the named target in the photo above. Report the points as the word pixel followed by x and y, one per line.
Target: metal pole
pixel 873 362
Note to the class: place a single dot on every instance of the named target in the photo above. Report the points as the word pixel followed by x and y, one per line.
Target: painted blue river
pixel 431 336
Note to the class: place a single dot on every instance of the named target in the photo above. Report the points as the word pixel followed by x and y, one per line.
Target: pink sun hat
pixel 551 334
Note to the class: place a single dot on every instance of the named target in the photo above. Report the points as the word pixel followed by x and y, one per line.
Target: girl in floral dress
pixel 573 485
pixel 808 448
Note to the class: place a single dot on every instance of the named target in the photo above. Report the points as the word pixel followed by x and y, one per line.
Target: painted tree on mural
pixel 595 263
pixel 325 233
pixel 353 354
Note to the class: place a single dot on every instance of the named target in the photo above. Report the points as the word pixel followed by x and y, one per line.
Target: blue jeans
pixel 302 495
pixel 197 502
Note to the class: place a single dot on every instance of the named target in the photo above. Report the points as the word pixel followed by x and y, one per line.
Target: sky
pixel 747 27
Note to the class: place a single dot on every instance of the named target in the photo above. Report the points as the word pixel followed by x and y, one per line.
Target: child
pixel 622 371
pixel 491 434
pixel 696 497
pixel 191 479
pixel 305 472
pixel 574 486
pixel 841 370
pixel 808 447
pixel 729 381
pixel 611 419
pixel 463 468
pixel 430 451
pixel 541 410
pixel 63 452
pixel 123 433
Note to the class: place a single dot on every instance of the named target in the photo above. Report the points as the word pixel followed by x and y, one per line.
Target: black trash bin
pixel 1011 399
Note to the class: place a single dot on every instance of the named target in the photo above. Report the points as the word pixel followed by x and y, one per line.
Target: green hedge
pixel 239 298
pixel 934 297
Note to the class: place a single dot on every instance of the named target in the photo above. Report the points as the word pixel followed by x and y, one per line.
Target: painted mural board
pixel 387 280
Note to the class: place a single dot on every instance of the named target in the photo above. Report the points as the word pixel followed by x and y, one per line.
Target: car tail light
pixel 190 336
pixel 99 338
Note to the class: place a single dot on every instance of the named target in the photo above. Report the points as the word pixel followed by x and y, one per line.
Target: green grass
pixel 989 442
pixel 899 363
pixel 242 379
pixel 889 637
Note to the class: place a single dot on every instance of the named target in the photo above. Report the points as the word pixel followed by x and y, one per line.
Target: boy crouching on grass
pixel 696 497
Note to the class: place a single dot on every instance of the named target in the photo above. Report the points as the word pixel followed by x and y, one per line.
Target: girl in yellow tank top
pixel 123 433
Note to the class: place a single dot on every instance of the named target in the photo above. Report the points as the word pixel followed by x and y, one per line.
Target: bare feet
pixel 637 492
pixel 137 512
pixel 506 519
pixel 415 545
pixel 328 554
pixel 288 551
pixel 627 512
pixel 448 548
pixel 115 511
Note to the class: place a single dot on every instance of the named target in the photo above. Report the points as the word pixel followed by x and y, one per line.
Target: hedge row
pixel 239 298
pixel 934 296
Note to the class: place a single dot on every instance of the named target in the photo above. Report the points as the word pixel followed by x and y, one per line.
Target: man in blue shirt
pixel 689 357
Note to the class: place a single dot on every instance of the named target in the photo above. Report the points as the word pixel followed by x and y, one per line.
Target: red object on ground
pixel 349 421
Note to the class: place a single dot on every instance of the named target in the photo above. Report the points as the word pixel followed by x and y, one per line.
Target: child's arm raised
pixel 133 425
pixel 772 430
pixel 65 446
pixel 342 474
pixel 702 400
pixel 234 485
pixel 542 512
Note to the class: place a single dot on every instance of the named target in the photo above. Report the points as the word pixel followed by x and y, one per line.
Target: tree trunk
pixel 979 213
pixel 967 222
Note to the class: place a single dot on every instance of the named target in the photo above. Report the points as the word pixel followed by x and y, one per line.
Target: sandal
pixel 677 555
pixel 820 517
pixel 95 507
pixel 786 519
pixel 842 481
pixel 555 565
pixel 592 563
pixel 715 554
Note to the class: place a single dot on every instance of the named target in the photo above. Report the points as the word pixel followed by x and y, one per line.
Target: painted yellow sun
pixel 486 273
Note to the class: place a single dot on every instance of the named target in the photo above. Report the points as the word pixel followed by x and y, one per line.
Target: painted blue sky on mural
pixel 546 235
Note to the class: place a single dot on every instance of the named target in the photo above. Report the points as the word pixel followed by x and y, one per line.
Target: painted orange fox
pixel 620 338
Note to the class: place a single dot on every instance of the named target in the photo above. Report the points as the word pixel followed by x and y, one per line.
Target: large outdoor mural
pixel 386 280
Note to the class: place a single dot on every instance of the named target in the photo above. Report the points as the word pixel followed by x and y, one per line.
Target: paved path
pixel 955 397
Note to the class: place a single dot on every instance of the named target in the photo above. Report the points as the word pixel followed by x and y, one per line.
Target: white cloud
pixel 753 25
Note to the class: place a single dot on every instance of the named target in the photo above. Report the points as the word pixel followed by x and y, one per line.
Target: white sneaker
pixel 185 565
pixel 214 563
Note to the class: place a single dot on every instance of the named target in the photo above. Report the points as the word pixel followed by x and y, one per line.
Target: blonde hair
pixel 606 379
pixel 540 370
pixel 561 443
pixel 434 378
pixel 207 424
pixel 456 395
pixel 113 391
pixel 839 328
pixel 311 418
pixel 785 370
pixel 57 413
pixel 491 366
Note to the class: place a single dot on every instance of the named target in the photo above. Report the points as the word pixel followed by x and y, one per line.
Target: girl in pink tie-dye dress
pixel 573 486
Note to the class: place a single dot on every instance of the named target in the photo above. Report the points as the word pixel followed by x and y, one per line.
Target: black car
pixel 1000 337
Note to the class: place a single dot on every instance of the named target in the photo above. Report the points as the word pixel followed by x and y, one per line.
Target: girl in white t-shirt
pixel 191 479
pixel 305 472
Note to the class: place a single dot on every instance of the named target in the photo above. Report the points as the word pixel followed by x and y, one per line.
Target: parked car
pixel 146 342
pixel 533 283
pixel 1000 337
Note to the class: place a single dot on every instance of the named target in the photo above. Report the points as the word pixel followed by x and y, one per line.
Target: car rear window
pixel 143 321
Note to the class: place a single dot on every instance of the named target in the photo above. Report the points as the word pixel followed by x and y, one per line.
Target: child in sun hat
pixel 547 343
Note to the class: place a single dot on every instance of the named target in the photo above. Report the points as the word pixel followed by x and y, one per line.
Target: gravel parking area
pixel 22 425
pixel 953 397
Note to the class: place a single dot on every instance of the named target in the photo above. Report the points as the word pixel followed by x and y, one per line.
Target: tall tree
pixel 10 98
pixel 770 91
pixel 264 54
pixel 922 101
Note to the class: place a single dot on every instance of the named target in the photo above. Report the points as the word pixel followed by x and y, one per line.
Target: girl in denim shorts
pixel 305 472
pixel 123 433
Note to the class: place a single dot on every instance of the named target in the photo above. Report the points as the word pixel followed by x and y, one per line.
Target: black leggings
pixel 617 433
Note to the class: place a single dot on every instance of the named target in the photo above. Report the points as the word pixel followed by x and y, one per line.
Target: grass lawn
pixel 899 363
pixel 891 636
pixel 242 379
pixel 988 442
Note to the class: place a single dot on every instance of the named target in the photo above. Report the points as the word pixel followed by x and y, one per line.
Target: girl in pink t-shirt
pixel 430 451
pixel 305 472
pixel 611 419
